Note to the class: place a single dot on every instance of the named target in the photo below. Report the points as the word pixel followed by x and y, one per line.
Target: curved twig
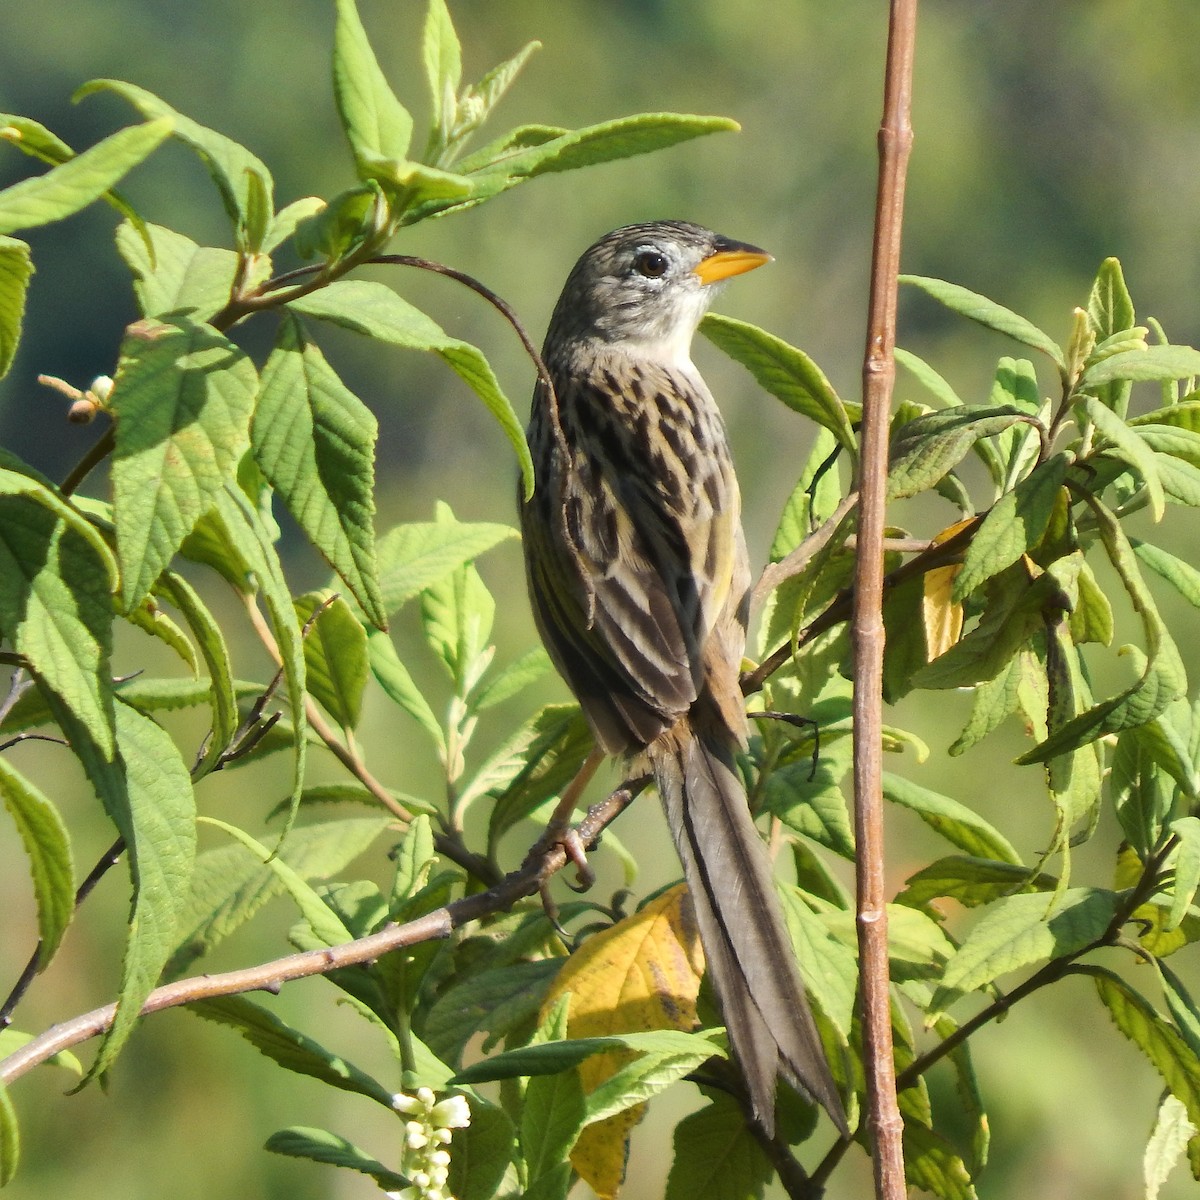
pixel 543 861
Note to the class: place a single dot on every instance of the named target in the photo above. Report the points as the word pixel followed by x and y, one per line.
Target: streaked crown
pixel 647 286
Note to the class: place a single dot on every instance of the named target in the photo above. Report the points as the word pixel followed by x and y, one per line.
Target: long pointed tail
pixel 750 957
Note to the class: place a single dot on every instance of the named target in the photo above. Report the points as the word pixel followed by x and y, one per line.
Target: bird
pixel 639 580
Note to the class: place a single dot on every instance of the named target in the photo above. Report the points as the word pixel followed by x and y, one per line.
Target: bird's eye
pixel 651 263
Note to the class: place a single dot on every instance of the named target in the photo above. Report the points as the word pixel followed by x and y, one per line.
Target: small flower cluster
pixel 426 1161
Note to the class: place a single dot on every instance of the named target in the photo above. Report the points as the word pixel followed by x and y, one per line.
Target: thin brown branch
pixel 884 1123
pixel 776 573
pixel 96 454
pixel 540 864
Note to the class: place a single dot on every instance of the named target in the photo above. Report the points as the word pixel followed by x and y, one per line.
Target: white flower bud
pixel 452 1113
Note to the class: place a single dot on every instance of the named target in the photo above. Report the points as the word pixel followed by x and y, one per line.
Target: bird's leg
pixel 558 828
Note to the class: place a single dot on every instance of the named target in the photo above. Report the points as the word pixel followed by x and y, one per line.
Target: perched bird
pixel 640 582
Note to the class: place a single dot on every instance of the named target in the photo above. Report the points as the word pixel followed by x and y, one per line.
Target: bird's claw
pixel 575 850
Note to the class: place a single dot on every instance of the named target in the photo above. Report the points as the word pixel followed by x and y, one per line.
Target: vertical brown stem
pixel 895 140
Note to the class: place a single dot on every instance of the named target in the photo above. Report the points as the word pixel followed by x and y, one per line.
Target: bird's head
pixel 645 287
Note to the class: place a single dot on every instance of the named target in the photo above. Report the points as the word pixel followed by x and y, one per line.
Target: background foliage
pixel 1039 152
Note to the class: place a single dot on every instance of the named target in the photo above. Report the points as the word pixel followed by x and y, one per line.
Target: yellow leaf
pixel 643 973
pixel 942 617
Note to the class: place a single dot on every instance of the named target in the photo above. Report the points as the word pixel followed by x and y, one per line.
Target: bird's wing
pixel 641 557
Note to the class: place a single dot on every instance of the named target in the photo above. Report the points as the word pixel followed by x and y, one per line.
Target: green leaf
pixel 290 1048
pixel 1161 1044
pixel 182 402
pixel 1182 576
pixel 512 679
pixel 10 1138
pixel 315 442
pixel 1109 306
pixel 285 222
pixel 457 614
pixel 1187 868
pixel 1163 678
pixel 552 1117
pixel 957 823
pixel 150 799
pixel 175 277
pixel 253 543
pixel 811 801
pixel 971 881
pixel 540 759
pixel 48 847
pixel 1168 1143
pixel 222 690
pixel 375 310
pixel 606 142
pixel 321 919
pixel 1154 362
pixel 716 1155
pixel 989 314
pixel 787 373
pixel 998 697
pixel 925 449
pixel 932 1164
pixel 442 55
pixel 16 268
pixel 1024 929
pixel 413 557
pixel 377 125
pixel 928 377
pixel 231 166
pixel 1014 525
pixel 1128 446
pixel 56 578
pixel 394 677
pixel 482 1153
pixel 230 883
pixel 335 654
pixel 64 190
pixel 321 1146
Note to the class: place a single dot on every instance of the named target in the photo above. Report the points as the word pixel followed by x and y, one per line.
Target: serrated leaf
pixel 315 442
pixel 321 1146
pixel 989 314
pixel 811 801
pixel 1187 868
pixel 932 1164
pixel 412 557
pixel 288 1047
pixel 541 758
pixel 1168 1143
pixel 48 847
pixel 222 691
pixel 230 883
pixel 1163 678
pixel 182 402
pixel 16 269
pixel 482 1153
pixel 787 373
pixel 957 823
pixel 375 310
pixel 335 653
pixel 322 920
pixel 150 799
pixel 971 881
pixel 1013 526
pixel 174 276
pixel 377 125
pixel 457 614
pixel 56 576
pixel 512 679
pixel 1024 929
pixel 442 56
pixel 643 972
pixel 716 1155
pixel 76 183
pixel 925 449
pixel 229 164
pixel 1151 363
pixel 243 527
pixel 1130 448
pixel 1161 1044
pixel 397 682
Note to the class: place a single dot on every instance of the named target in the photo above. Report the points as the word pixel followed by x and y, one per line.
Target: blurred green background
pixel 1047 137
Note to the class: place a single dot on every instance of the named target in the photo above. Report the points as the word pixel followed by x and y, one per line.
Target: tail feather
pixel 751 961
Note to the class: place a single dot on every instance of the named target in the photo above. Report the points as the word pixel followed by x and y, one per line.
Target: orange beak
pixel 735 259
